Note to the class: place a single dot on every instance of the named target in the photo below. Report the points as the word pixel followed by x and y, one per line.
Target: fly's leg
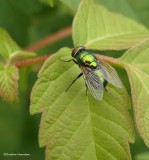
pixel 77 76
pixel 105 84
pixel 69 61
pixel 86 88
pixel 74 80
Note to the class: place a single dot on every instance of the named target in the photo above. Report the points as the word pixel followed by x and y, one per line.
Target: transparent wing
pixel 109 73
pixel 92 80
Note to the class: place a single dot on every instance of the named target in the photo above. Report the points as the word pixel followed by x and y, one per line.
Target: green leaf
pixel 137 10
pixel 136 63
pixel 22 55
pixel 8 47
pixel 9 82
pixel 10 52
pixel 49 2
pixel 76 126
pixel 72 4
pixel 142 156
pixel 97 28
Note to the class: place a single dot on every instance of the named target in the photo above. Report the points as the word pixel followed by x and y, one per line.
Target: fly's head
pixel 76 51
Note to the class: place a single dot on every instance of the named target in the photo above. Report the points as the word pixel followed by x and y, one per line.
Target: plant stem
pixel 42 43
pixel 50 39
pixel 114 61
pixel 29 62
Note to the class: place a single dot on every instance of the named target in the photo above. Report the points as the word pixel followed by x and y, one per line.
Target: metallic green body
pixel 96 73
pixel 87 59
pixel 99 73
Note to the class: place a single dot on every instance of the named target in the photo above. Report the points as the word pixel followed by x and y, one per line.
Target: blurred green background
pixel 28 21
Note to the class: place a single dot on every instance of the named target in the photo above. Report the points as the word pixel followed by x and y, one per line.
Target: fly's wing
pixel 93 82
pixel 110 74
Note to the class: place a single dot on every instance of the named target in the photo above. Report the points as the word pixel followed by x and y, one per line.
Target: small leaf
pixel 9 82
pixel 22 55
pixel 97 28
pixel 142 156
pixel 76 126
pixel 10 52
pixel 136 63
pixel 8 47
pixel 49 2
pixel 72 4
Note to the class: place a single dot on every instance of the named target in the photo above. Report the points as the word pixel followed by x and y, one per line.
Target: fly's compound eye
pixel 77 51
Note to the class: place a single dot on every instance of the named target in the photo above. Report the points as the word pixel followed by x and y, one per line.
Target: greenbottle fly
pixel 96 72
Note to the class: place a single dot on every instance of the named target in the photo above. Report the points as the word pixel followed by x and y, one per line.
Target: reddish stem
pixel 29 62
pixel 50 39
pixel 42 43
pixel 109 59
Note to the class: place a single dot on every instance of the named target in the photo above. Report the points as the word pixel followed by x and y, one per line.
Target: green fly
pixel 96 73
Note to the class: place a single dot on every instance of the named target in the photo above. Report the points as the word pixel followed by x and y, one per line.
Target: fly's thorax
pixel 84 57
pixel 87 59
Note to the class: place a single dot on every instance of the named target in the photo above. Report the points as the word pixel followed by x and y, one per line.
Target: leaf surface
pixel 9 82
pixel 9 48
pixel 49 2
pixel 136 63
pixel 142 156
pixel 97 28
pixel 72 4
pixel 10 52
pixel 76 126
